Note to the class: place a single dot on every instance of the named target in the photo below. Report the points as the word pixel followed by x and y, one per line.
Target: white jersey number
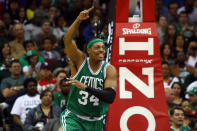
pixel 84 99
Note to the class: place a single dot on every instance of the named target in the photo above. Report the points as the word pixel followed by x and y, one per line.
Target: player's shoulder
pixel 111 68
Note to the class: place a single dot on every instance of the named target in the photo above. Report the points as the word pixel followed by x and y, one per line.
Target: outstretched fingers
pixel 90 9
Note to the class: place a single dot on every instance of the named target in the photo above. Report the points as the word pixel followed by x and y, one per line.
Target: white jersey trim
pixel 96 73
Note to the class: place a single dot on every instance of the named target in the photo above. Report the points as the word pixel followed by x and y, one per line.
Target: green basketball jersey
pixel 82 102
pixel 59 99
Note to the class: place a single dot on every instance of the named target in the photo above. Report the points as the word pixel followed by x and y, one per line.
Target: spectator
pixel 41 114
pixel 179 69
pixel 24 103
pixel 168 79
pixel 161 28
pixel 191 78
pixel 192 15
pixel 48 53
pixel 5 52
pixel 5 58
pixel 178 93
pixel 13 8
pixel 169 98
pixel 172 12
pixel 16 45
pixel 4 34
pixel 166 54
pixel 32 5
pixel 177 117
pixel 170 34
pixel 33 67
pixel 11 89
pixel 187 112
pixel 46 80
pixel 61 74
pixel 161 10
pixel 61 27
pixel 60 98
pixel 11 85
pixel 190 87
pixel 191 56
pixel 34 28
pixel 191 8
pixel 8 21
pixel 21 19
pixel 184 27
pixel 46 32
pixel 53 13
pixel 193 98
pixel 29 45
pixel 179 45
pixel 188 6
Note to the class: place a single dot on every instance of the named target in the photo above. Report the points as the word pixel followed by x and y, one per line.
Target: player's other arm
pixel 108 94
pixel 71 49
pixel 111 78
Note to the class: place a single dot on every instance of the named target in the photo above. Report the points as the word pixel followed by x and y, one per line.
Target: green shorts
pixel 74 122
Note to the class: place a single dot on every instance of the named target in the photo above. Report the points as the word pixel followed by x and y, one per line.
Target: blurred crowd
pixel 177 32
pixel 34 65
pixel 33 61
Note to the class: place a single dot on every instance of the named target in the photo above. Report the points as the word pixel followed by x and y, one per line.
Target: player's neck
pixel 94 64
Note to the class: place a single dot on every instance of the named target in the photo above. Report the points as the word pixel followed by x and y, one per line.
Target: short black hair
pixel 31 79
pixel 26 42
pixel 171 3
pixel 14 61
pixel 45 21
pixel 176 108
pixel 183 12
pixel 44 92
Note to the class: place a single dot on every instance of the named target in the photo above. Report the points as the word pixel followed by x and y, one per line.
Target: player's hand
pixel 84 15
pixel 76 83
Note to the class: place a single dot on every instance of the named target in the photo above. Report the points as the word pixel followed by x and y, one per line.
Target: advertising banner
pixel 140 103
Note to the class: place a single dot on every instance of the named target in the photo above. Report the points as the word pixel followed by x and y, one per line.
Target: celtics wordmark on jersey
pixel 82 102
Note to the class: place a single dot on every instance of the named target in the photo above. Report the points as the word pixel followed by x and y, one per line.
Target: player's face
pixel 97 51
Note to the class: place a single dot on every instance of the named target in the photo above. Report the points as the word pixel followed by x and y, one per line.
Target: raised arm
pixel 72 51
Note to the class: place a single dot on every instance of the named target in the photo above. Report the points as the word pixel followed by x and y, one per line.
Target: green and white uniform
pixel 85 112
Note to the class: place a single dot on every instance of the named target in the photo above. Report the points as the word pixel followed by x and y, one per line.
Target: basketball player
pixel 93 83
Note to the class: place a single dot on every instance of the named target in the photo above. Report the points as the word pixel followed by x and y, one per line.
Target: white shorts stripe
pixel 64 120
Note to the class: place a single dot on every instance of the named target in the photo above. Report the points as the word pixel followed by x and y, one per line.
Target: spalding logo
pixel 136 30
pixel 137 25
